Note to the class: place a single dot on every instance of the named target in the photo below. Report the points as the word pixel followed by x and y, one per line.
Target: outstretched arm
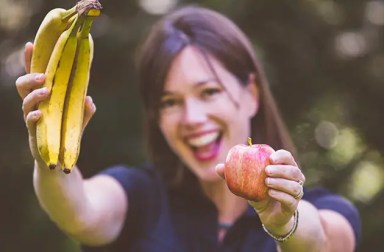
pixel 91 211
pixel 317 230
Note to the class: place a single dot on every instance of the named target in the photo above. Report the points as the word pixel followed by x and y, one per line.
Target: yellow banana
pixel 48 128
pixel 74 105
pixel 53 25
pixel 66 64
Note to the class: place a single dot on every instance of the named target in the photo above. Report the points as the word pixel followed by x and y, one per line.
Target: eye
pixel 168 102
pixel 209 92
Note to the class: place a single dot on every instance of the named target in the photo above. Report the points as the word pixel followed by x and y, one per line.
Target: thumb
pixel 28 56
pixel 220 170
pixel 89 110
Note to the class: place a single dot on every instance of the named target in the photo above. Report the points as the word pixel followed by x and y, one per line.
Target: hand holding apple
pixel 244 170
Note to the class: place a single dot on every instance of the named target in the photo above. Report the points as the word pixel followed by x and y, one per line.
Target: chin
pixel 209 175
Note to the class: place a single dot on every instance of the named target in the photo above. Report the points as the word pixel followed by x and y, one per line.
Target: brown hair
pixel 215 35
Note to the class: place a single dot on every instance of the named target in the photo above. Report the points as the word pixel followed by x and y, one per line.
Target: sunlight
pixel 15 15
pixel 349 146
pixel 374 12
pixel 367 181
pixel 326 134
pixel 157 7
pixel 351 44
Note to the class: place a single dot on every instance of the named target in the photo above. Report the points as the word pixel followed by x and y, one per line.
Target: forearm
pixel 62 196
pixel 310 235
pixel 319 230
pixel 91 211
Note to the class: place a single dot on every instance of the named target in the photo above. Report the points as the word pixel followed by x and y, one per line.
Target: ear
pixel 252 95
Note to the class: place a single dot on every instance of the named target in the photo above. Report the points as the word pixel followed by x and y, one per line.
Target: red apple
pixel 244 170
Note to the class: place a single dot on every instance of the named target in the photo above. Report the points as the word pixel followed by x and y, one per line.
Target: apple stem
pixel 249 141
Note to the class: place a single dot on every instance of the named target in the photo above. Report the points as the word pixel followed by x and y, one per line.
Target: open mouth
pixel 206 147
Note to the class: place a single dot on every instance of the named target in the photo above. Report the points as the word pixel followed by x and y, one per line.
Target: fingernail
pixel 269 170
pixel 39 77
pixel 43 91
pixel 35 114
pixel 90 102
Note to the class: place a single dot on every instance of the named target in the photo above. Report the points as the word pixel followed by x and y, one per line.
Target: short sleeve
pixel 324 199
pixel 141 185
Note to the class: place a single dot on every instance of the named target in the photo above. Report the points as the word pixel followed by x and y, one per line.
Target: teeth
pixel 203 140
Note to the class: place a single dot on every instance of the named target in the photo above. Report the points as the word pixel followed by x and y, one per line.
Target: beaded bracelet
pixel 290 233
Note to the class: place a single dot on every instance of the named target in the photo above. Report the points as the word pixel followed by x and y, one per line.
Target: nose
pixel 194 113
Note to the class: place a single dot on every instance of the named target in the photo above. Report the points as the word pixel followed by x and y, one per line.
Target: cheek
pixel 238 123
pixel 163 128
pixel 229 112
pixel 168 127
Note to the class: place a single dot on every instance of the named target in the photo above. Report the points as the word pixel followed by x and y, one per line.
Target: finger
pixel 290 187
pixel 26 83
pixel 220 170
pixel 31 101
pixel 285 171
pixel 282 157
pixel 89 110
pixel 28 56
pixel 31 120
pixel 287 201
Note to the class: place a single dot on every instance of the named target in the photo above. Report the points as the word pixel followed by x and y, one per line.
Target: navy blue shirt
pixel 184 220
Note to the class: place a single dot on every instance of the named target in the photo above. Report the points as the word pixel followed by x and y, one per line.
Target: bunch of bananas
pixel 63 50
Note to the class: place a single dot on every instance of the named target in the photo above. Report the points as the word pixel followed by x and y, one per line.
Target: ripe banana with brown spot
pixel 74 105
pixel 67 75
pixel 53 25
pixel 48 128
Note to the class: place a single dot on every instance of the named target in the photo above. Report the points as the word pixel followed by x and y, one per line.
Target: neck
pixel 229 206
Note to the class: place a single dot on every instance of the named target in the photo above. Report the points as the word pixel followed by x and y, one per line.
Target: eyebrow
pixel 212 79
pixel 197 84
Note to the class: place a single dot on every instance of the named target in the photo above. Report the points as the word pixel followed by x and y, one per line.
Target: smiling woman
pixel 199 126
pixel 210 52
pixel 204 92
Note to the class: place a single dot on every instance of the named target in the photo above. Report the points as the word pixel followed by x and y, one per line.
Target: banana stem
pixel 86 27
pixel 78 23
pixel 70 13
pixel 89 7
pixel 87 11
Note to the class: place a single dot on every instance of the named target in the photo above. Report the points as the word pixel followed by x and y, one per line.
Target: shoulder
pixel 324 199
pixel 129 176
pixel 148 213
pixel 142 185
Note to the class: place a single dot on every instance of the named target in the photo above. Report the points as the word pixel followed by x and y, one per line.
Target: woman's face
pixel 200 118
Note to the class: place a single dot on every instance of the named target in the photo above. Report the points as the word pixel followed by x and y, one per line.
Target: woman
pixel 203 93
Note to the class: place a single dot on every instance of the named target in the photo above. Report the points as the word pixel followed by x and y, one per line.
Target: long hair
pixel 215 35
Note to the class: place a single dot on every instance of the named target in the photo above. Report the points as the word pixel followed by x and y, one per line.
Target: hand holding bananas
pixel 63 50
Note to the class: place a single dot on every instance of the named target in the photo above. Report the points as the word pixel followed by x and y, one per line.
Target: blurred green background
pixel 325 63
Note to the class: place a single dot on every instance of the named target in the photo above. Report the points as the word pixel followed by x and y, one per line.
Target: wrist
pixel 284 233
pixel 281 230
pixel 39 164
pixel 43 170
